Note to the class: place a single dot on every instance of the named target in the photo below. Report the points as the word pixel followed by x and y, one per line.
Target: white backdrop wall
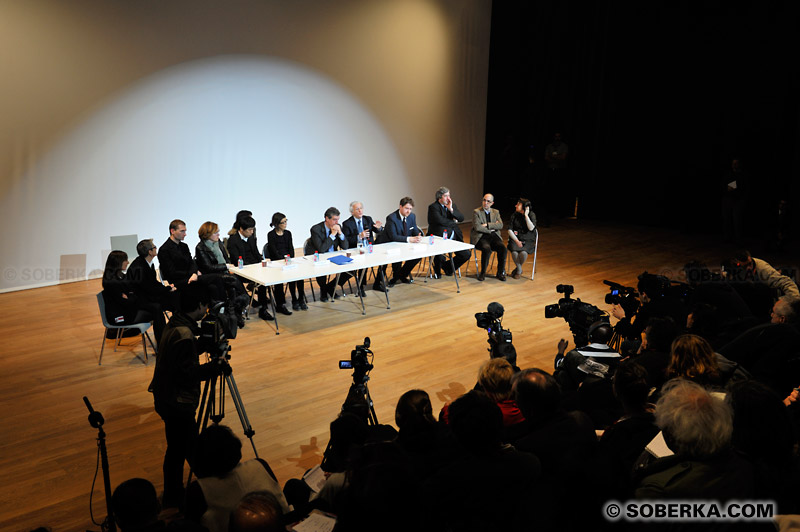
pixel 120 116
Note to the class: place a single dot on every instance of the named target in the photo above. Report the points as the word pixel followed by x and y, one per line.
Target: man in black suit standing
pixel 443 215
pixel 401 226
pixel 358 228
pixel 327 236
pixel 142 278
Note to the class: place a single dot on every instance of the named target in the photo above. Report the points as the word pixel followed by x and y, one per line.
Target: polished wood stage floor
pixel 291 385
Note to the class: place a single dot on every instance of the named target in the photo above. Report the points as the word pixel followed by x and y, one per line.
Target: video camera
pixel 216 328
pixel 578 315
pixel 625 296
pixel 360 362
pixel 490 320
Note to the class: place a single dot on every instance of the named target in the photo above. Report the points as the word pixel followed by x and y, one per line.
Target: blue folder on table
pixel 340 259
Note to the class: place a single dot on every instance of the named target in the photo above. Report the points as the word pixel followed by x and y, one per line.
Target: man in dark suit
pixel 242 244
pixel 177 265
pixel 485 236
pixel 328 236
pixel 358 228
pixel 143 280
pixel 401 226
pixel 443 215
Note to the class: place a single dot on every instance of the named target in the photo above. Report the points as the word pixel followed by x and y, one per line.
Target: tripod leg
pixel 237 402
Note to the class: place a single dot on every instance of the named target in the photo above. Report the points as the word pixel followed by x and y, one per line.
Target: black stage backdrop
pixel 654 99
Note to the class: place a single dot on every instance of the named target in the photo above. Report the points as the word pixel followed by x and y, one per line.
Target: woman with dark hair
pixel 521 235
pixel 122 305
pixel 693 358
pixel 212 261
pixel 279 245
pixel 223 479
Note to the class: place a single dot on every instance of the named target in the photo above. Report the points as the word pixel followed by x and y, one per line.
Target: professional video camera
pixel 216 328
pixel 625 296
pixel 578 315
pixel 490 320
pixel 360 362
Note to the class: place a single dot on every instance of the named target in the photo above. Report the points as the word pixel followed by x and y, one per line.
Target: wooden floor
pixel 291 385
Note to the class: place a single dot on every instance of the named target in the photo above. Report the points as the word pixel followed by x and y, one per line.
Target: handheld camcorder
pixel 578 315
pixel 490 320
pixel 360 362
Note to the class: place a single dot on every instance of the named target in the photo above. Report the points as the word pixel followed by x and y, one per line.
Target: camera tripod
pixel 212 405
pixel 358 394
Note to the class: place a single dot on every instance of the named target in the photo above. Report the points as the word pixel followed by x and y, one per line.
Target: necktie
pixel 405 227
pixel 360 227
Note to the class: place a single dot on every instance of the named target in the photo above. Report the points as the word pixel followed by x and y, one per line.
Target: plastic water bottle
pixel 444 234
pixel 286 259
pixel 369 247
pixel 241 263
pixel 430 239
pixel 316 256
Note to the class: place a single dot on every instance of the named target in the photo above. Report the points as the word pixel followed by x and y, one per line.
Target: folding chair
pixel 120 329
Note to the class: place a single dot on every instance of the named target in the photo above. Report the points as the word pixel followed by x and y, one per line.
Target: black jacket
pixel 176 261
pixel 247 250
pixel 207 261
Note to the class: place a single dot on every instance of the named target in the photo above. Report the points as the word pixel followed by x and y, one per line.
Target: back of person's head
pixel 537 394
pixel 348 431
pixel 788 308
pixel 600 332
pixel 507 351
pixel 652 285
pixel 189 301
pixel 692 357
pixel 660 333
pixel 695 423
pixel 276 219
pixel 216 452
pixel 705 320
pixel 762 428
pixel 144 246
pixel 477 422
pixel 258 511
pixel 135 504
pixel 207 229
pixel 246 223
pixel 114 263
pixel 414 411
pixel 495 377
pixel 630 384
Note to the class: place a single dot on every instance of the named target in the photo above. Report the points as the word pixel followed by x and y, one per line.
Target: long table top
pixel 305 268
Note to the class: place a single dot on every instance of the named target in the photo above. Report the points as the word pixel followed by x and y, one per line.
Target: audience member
pixel 279 246
pixel 761 271
pixel 572 368
pixel 136 507
pixel 697 427
pixel 693 358
pixel 123 306
pixel 485 236
pixel 521 235
pixel 326 237
pixel 259 511
pixel 223 479
pixel 494 378
pixel 444 217
pixel 655 350
pixel 656 302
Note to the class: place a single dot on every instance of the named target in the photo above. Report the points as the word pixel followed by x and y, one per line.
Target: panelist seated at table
pixel 443 215
pixel 485 236
pixel 242 244
pixel 212 260
pixel 279 246
pixel 361 228
pixel 401 226
pixel 328 236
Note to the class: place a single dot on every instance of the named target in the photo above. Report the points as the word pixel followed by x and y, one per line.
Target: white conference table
pixel 276 272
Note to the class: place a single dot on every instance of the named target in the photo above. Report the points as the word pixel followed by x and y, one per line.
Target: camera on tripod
pixel 490 320
pixel 625 296
pixel 578 315
pixel 216 328
pixel 360 362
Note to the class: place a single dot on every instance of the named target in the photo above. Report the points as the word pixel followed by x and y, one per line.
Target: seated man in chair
pixel 443 215
pixel 401 226
pixel 327 236
pixel 485 236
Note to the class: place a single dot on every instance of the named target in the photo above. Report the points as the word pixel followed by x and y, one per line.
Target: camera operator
pixel 176 391
pixel 656 302
pixel 568 366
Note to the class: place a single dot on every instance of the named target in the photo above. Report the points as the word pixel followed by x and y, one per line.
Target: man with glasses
pixel 144 281
pixel 485 236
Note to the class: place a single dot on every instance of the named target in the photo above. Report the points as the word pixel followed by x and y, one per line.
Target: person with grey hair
pixel 697 426
pixel 443 215
pixel 361 228
pixel 786 310
pixel 485 235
